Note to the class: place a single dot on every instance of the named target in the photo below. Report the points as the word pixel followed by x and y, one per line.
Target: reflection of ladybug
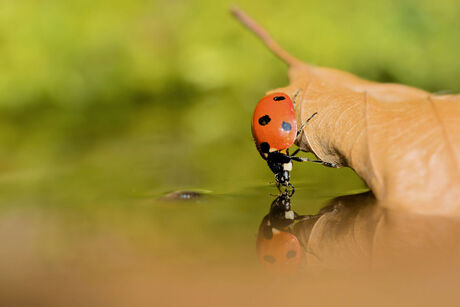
pixel 274 128
pixel 278 250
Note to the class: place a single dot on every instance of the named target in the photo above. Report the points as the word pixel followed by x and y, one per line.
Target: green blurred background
pixel 106 106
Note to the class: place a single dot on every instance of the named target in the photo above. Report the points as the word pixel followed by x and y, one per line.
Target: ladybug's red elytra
pixel 274 129
pixel 274 123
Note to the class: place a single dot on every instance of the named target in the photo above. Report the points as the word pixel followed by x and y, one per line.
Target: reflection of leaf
pixel 341 236
pixel 404 142
pixel 354 233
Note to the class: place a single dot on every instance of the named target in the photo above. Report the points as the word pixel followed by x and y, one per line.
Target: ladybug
pixel 277 248
pixel 274 129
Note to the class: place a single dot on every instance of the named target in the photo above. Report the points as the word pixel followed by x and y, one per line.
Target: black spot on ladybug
pixel 291 254
pixel 269 259
pixel 286 126
pixel 279 98
pixel 264 120
pixel 265 147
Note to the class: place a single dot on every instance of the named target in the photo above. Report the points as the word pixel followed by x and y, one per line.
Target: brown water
pixel 112 228
pixel 93 222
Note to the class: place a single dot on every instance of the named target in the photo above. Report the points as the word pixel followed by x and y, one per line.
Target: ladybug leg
pixel 298 217
pixel 286 188
pixel 328 164
pixel 297 151
pixel 305 123
pixel 292 191
pixel 299 159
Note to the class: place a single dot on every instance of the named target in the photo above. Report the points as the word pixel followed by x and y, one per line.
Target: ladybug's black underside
pixel 281 165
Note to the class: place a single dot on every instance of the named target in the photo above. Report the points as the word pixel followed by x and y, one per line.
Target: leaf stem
pixel 265 37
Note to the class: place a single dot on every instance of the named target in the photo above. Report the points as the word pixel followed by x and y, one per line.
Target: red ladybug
pixel 274 129
pixel 274 123
pixel 278 250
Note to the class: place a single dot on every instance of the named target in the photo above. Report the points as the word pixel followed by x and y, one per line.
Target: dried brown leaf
pixel 402 141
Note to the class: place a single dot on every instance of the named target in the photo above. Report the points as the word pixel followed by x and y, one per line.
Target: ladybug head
pixel 281 165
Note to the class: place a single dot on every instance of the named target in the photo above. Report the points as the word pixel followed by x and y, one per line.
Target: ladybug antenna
pixel 265 37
